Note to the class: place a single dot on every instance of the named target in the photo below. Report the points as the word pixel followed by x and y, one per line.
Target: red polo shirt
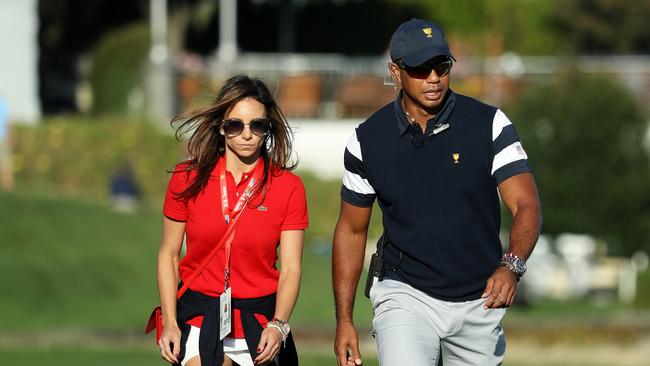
pixel 254 248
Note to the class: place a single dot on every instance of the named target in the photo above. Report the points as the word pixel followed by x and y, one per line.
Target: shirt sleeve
pixel 296 217
pixel 510 158
pixel 175 208
pixel 356 189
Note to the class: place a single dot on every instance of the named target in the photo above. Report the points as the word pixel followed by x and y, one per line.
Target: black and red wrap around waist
pixel 193 304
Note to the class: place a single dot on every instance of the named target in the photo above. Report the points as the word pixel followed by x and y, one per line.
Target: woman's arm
pixel 291 245
pixel 168 259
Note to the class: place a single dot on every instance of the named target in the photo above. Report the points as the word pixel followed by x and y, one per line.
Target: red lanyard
pixel 241 202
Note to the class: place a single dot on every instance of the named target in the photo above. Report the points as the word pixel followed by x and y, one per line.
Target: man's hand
pixel 346 345
pixel 501 289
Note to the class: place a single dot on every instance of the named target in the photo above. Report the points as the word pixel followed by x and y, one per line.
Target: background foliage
pixel 492 27
pixel 604 26
pixel 585 139
pixel 117 69
pixel 78 155
pixel 542 27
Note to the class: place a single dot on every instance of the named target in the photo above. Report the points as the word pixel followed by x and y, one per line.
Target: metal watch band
pixel 514 263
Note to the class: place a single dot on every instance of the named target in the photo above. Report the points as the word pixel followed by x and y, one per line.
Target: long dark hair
pixel 206 144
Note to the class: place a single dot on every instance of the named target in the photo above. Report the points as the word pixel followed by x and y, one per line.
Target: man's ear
pixel 394 69
pixel 395 72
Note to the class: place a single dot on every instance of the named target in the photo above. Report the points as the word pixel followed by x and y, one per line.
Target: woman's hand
pixel 170 343
pixel 269 346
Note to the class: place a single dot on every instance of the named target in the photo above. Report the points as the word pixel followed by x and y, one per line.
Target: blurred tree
pixel 118 62
pixel 67 29
pixel 495 26
pixel 71 28
pixel 605 26
pixel 585 140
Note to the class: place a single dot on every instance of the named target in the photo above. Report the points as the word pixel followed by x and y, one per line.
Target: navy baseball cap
pixel 416 41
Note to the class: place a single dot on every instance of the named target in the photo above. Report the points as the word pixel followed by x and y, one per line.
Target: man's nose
pixel 433 76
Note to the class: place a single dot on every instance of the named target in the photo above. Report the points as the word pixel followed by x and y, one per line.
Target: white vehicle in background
pixel 577 266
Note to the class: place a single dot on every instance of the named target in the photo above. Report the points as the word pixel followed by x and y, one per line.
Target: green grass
pixel 315 307
pixel 72 264
pixel 132 356
pixel 324 201
pixel 69 263
pixel 80 356
pixel 125 356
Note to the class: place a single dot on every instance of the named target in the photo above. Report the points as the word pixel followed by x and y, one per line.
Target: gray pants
pixel 412 328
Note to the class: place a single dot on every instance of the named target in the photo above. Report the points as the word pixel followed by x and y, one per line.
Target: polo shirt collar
pixel 441 117
pixel 222 161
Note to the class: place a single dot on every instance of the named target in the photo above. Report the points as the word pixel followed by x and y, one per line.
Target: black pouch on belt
pixel 376 269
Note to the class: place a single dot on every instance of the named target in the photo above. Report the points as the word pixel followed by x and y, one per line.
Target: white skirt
pixel 236 349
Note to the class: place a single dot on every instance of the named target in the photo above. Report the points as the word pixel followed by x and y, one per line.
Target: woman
pixel 240 149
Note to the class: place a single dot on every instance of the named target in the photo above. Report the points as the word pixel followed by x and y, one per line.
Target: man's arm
pixel 347 261
pixel 519 193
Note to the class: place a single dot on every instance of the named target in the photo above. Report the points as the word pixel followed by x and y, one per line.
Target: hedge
pixel 77 156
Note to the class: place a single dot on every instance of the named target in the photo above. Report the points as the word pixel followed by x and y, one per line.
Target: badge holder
pixel 225 310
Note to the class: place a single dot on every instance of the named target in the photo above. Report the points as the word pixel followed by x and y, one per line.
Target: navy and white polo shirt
pixel 437 192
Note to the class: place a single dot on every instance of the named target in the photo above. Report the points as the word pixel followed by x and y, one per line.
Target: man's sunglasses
pixel 423 71
pixel 234 126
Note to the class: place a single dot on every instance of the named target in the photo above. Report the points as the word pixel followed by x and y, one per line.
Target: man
pixel 436 161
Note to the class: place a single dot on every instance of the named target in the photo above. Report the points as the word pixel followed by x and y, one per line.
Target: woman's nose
pixel 246 133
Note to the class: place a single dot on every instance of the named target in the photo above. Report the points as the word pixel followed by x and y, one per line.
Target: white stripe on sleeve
pixel 500 121
pixel 355 183
pixel 506 156
pixel 354 147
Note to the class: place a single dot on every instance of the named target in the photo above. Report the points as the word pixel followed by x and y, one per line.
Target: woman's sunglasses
pixel 423 71
pixel 234 126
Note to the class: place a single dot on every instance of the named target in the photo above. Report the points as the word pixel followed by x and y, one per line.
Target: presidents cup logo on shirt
pixel 427 31
pixel 456 157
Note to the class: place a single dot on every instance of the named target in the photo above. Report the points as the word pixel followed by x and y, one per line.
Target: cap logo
pixel 456 157
pixel 427 31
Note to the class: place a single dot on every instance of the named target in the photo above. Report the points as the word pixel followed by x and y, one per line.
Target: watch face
pixel 520 266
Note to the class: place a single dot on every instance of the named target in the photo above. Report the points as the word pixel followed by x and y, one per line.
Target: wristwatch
pixel 515 264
